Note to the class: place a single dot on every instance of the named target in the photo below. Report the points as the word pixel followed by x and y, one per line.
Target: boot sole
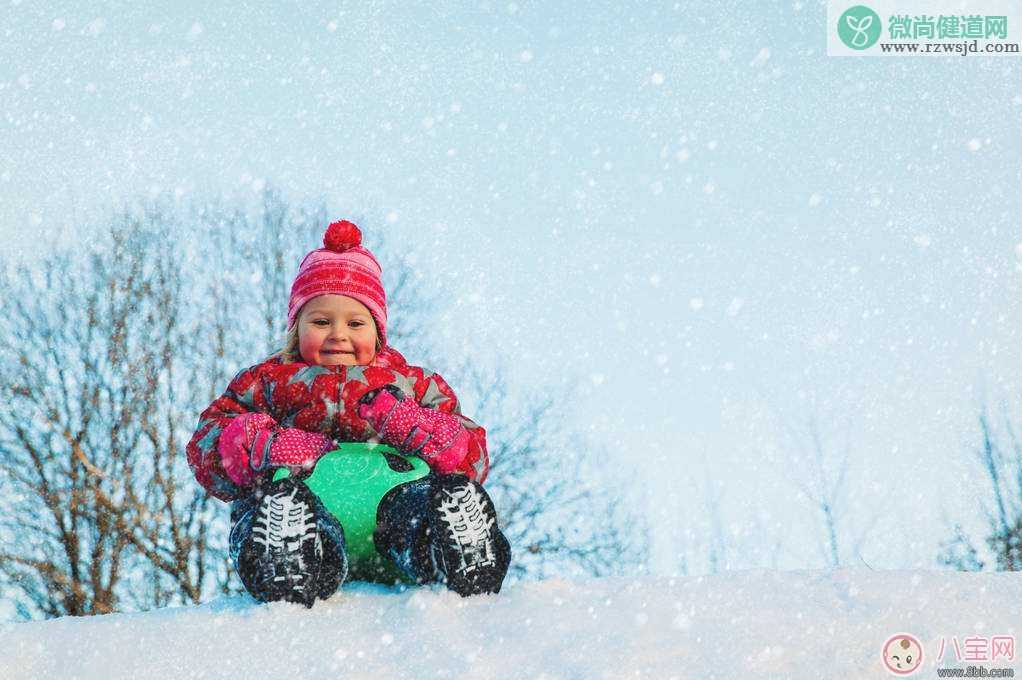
pixel 469 551
pixel 284 547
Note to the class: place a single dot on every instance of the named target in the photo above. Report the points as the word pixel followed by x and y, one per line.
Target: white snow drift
pixel 808 624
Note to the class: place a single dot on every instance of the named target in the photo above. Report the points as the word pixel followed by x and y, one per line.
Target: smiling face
pixel 902 654
pixel 336 330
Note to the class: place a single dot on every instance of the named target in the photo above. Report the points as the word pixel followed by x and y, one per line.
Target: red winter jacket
pixel 320 399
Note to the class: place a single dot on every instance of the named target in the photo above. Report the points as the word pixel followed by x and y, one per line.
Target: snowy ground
pixel 807 624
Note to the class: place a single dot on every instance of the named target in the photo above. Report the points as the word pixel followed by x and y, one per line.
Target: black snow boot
pixel 469 551
pixel 402 530
pixel 288 547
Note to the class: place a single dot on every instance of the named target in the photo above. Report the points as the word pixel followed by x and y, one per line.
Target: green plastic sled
pixel 351 481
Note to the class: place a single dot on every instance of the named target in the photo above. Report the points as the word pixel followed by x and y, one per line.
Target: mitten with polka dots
pixel 253 443
pixel 291 448
pixel 438 438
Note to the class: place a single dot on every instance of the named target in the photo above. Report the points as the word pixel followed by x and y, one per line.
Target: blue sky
pixel 687 207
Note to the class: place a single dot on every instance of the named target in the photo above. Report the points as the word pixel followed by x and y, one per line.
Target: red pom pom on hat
pixel 342 235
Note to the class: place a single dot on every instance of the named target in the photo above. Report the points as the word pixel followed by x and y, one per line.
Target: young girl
pixel 337 380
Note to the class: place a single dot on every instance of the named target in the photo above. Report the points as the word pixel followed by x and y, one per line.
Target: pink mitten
pixel 294 448
pixel 253 442
pixel 436 437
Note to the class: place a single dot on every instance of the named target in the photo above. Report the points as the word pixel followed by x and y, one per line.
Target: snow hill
pixel 807 624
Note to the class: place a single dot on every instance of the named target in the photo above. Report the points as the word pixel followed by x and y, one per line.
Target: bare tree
pixel 822 481
pixel 823 489
pixel 90 432
pixel 1000 455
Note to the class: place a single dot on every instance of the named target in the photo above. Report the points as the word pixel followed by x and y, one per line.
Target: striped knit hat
pixel 341 267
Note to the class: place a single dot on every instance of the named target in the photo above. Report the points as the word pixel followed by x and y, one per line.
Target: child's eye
pixel 321 322
pixel 356 324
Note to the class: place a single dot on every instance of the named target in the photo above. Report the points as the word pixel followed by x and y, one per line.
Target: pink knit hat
pixel 341 267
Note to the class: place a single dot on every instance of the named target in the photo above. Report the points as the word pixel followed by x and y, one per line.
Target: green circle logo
pixel 859 27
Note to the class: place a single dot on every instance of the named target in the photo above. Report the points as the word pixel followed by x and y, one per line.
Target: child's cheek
pixel 364 355
pixel 307 348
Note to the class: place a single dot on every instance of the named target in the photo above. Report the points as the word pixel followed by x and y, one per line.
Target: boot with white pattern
pixel 468 549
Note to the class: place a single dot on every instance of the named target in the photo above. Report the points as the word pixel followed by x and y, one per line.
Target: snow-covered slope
pixel 805 624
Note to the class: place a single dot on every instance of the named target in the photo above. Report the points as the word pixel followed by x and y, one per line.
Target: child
pixel 337 380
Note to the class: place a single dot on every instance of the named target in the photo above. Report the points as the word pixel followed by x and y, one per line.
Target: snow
pixel 799 624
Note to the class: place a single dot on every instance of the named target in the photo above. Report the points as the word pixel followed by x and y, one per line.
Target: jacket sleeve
pixel 432 391
pixel 217 452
